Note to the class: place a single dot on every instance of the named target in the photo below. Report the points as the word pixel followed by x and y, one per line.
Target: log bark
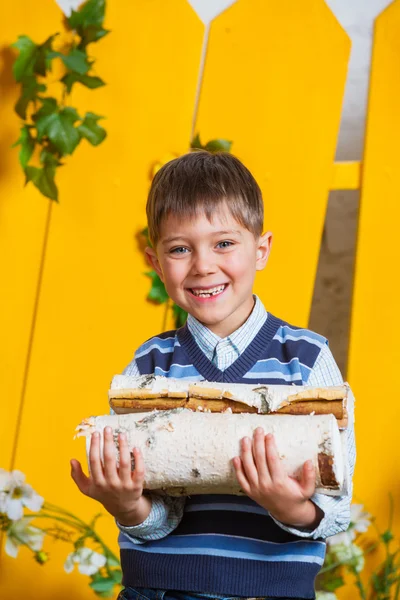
pixel 191 452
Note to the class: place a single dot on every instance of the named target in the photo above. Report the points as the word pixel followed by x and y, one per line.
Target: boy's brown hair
pixel 200 181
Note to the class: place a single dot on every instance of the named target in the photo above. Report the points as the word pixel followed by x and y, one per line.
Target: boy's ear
pixel 152 257
pixel 263 250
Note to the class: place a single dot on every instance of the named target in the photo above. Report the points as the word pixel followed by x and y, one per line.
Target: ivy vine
pixel 158 293
pixel 52 130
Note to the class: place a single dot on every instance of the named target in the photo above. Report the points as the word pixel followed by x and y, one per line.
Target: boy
pixel 205 217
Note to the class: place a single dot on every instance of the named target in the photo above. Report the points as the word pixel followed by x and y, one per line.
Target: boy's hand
pixel 262 477
pixel 118 489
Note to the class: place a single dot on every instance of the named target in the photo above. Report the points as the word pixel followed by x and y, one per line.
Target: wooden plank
pixel 93 313
pixel 375 328
pixel 273 83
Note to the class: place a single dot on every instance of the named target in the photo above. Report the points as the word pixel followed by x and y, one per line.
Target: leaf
pixel 89 13
pixel 77 60
pixel 91 34
pixel 44 56
pixel 112 562
pixel 103 585
pixel 25 61
pixel 86 80
pixel 196 143
pixel 61 132
pixel 47 158
pixel 218 146
pixel 116 575
pixel 387 536
pixel 90 130
pixel 27 143
pixel 43 179
pixel 334 584
pixel 30 89
pixel 180 315
pixel 157 291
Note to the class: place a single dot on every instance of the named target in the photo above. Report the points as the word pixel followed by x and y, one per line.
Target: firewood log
pixel 188 452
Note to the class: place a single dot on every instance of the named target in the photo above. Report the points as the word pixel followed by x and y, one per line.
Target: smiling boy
pixel 205 217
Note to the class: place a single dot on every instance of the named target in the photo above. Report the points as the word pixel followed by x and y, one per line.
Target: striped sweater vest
pixel 229 544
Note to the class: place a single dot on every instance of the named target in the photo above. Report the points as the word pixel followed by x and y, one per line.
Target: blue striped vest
pixel 229 544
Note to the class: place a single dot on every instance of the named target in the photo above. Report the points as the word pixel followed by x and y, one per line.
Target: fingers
pixel 81 480
pixel 110 459
pixel 275 467
pixel 247 462
pixel 308 479
pixel 240 475
pixel 96 468
pixel 138 473
pixel 125 460
pixel 260 456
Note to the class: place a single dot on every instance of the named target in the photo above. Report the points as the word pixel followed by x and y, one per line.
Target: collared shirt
pixel 167 512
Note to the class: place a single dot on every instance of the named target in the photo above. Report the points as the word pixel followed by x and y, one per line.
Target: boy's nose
pixel 203 265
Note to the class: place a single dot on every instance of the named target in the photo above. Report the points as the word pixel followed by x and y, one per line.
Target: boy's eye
pixel 179 250
pixel 225 244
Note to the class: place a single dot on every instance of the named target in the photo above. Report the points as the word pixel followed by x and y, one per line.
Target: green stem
pixel 79 524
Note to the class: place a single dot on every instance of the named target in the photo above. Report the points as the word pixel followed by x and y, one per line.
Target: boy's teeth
pixel 210 292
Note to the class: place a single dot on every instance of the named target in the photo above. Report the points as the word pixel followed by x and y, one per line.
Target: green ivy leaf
pixel 25 61
pixel 27 143
pixel 91 34
pixel 89 14
pixel 180 315
pixel 59 127
pixel 196 143
pixel 43 179
pixel 77 61
pixel 29 93
pixel 86 80
pixel 48 158
pixel 218 146
pixel 44 56
pixel 157 291
pixel 44 116
pixel 90 130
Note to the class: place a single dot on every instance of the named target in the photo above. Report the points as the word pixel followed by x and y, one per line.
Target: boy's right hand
pixel 120 490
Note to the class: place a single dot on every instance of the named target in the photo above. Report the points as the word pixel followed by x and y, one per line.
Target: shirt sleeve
pixel 336 509
pixel 165 515
pixel 166 512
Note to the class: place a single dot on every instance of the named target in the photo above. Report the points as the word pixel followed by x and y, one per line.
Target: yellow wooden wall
pixel 273 82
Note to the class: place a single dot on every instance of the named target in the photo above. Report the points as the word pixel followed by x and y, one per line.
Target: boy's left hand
pixel 263 478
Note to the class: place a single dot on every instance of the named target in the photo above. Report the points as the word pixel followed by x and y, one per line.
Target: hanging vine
pixel 51 129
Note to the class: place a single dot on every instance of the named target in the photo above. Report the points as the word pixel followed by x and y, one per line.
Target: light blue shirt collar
pixel 224 351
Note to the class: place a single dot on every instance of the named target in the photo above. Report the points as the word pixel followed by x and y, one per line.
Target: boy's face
pixel 208 268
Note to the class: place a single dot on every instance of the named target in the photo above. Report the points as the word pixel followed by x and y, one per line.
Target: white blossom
pixel 15 494
pixel 350 554
pixel 88 561
pixel 321 595
pixel 21 533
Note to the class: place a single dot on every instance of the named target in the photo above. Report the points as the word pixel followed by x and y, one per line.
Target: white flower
pixel 15 494
pixel 350 554
pixel 359 523
pixel 325 596
pixel 359 519
pixel 88 561
pixel 21 533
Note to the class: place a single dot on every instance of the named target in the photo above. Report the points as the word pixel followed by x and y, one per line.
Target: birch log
pixel 188 452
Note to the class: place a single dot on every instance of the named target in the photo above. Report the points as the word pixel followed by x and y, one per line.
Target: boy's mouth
pixel 208 292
